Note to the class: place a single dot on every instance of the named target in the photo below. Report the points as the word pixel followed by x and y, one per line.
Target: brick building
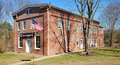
pixel 63 30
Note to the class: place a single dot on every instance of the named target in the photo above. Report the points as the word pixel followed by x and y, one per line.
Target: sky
pixel 64 5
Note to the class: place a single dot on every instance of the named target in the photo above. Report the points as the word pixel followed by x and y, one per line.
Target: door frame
pixel 81 45
pixel 27 45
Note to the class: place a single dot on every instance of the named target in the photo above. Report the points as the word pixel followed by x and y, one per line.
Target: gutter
pixel 48 27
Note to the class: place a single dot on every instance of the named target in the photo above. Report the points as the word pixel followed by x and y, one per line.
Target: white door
pixel 28 45
pixel 81 42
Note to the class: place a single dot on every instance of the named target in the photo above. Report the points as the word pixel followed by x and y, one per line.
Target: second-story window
pixel 81 27
pixel 101 30
pixel 59 24
pixel 24 25
pixel 18 26
pixel 67 25
pixel 28 11
pixel 77 27
pixel 94 29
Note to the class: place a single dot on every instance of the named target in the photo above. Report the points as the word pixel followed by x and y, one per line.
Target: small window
pixel 67 25
pixel 77 41
pixel 24 25
pixel 37 42
pixel 59 24
pixel 101 30
pixel 90 41
pixel 93 41
pixel 77 27
pixel 18 26
pixel 96 42
pixel 95 29
pixel 20 43
pixel 101 41
pixel 81 27
pixel 28 11
pixel 81 41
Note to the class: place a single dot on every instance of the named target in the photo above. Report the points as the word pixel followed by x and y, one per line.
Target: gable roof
pixel 46 4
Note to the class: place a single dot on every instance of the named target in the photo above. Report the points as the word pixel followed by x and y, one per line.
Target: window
pixel 81 27
pixel 90 41
pixel 20 43
pixel 101 41
pixel 77 41
pixel 59 24
pixel 94 29
pixel 37 42
pixel 101 30
pixel 81 42
pixel 96 42
pixel 24 25
pixel 67 25
pixel 77 27
pixel 93 42
pixel 28 11
pixel 18 26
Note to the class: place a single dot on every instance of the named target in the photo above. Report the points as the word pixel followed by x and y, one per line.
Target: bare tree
pixel 1 6
pixel 90 7
pixel 110 17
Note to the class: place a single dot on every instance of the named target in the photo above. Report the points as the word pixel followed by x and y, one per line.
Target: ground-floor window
pixel 20 43
pixel 77 41
pixel 37 42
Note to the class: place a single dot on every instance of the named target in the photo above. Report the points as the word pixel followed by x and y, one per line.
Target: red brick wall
pixel 41 18
pixel 58 38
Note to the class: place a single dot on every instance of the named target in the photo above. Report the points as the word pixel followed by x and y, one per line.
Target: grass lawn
pixel 106 56
pixel 7 58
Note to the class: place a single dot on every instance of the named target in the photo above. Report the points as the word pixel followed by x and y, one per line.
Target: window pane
pixel 18 25
pixel 20 40
pixel 37 41
pixel 67 25
pixel 59 24
pixel 77 26
pixel 77 41
pixel 24 24
pixel 26 12
pixel 81 27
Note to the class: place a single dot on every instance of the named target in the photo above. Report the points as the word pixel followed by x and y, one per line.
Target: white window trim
pixel 78 41
pixel 77 27
pixel 35 42
pixel 23 25
pixel 101 30
pixel 61 24
pixel 19 42
pixel 66 25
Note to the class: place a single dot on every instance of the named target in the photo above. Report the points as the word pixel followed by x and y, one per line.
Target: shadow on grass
pixel 109 50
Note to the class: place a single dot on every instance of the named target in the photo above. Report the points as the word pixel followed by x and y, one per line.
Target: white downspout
pixel 48 28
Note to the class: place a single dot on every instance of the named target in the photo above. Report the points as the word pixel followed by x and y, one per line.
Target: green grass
pixel 7 58
pixel 106 56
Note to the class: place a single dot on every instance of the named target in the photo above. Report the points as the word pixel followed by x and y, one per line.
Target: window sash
pixel 81 27
pixel 37 44
pixel 81 41
pixel 20 41
pixel 67 25
pixel 77 41
pixel 59 24
pixel 18 25
pixel 24 25
pixel 77 27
